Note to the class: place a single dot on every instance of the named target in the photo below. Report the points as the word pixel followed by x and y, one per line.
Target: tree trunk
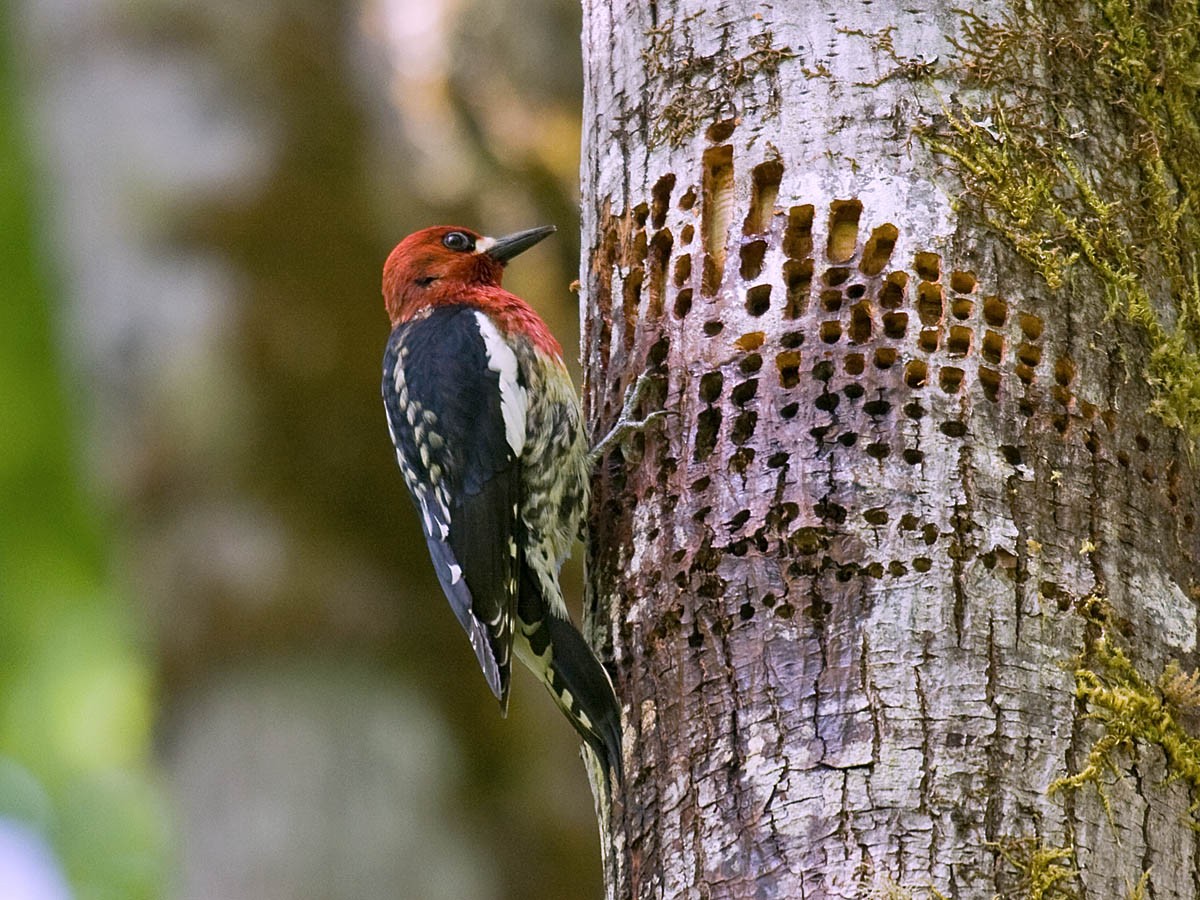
pixel 890 601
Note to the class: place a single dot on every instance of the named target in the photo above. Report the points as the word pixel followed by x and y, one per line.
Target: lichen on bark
pixel 1077 135
pixel 700 87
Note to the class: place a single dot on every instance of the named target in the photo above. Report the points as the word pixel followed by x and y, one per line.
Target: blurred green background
pixel 226 670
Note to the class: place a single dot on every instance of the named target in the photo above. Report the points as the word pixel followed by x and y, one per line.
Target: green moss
pixel 1138 891
pixel 890 890
pixel 1029 869
pixel 1132 710
pixel 1123 205
pixel 1041 872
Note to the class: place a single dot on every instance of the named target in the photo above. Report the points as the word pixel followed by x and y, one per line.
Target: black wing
pixel 455 407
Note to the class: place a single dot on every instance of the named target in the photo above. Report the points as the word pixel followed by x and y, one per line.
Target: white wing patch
pixel 514 399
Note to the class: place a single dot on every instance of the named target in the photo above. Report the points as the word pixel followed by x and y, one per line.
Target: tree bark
pixel 865 592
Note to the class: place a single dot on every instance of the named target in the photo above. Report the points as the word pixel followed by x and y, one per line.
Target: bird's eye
pixel 458 240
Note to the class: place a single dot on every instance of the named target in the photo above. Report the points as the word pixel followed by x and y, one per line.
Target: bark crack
pixel 1147 836
pixel 818 620
pixel 923 705
pixel 963 525
pixel 991 819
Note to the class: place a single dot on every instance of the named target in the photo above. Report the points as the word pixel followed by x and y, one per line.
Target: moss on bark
pixel 1078 138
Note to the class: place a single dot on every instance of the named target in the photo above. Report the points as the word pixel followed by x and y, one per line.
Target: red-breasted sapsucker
pixel 489 434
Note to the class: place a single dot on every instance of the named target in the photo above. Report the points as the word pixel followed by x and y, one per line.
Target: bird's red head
pixel 444 264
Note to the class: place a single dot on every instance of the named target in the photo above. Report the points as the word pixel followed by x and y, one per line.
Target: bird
pixel 489 434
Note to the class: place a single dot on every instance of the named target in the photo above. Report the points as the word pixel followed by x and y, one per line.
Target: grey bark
pixel 843 589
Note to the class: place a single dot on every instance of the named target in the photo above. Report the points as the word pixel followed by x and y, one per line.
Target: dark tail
pixel 585 694
pixel 556 652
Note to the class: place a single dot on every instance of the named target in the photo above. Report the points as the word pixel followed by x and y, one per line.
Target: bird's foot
pixel 626 423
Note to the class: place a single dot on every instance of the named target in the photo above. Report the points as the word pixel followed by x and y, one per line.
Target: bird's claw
pixel 626 423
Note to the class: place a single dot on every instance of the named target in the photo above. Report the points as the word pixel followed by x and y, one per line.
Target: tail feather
pixel 556 652
pixel 583 691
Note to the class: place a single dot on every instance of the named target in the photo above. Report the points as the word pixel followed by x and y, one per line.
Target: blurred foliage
pixel 75 687
pixel 259 518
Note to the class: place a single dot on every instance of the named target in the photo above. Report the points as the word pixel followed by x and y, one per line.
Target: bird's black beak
pixel 510 245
